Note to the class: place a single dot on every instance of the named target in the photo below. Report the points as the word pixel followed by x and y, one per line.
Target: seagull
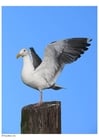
pixel 42 74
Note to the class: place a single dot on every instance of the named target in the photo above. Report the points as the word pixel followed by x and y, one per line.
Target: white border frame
pixel 47 3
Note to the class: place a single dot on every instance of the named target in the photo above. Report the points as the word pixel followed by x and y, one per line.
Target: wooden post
pixel 43 119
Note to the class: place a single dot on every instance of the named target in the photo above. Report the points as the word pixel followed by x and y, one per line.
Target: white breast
pixel 30 77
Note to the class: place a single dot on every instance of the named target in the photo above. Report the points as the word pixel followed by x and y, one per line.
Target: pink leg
pixel 41 98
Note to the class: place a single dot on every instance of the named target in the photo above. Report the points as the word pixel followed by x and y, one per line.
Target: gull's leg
pixel 41 97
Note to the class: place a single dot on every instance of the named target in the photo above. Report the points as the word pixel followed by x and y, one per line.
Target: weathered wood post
pixel 44 119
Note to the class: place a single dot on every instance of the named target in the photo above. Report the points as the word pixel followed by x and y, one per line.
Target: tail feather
pixel 56 87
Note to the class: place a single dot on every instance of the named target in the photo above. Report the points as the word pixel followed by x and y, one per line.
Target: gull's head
pixel 22 53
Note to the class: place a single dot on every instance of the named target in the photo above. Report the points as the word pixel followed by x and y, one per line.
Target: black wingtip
pixel 31 48
pixel 89 40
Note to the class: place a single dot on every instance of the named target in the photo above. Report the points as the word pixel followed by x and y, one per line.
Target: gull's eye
pixel 24 50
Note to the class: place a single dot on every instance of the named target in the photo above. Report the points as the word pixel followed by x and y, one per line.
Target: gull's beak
pixel 18 55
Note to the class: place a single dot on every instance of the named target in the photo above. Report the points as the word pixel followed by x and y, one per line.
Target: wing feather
pixel 35 58
pixel 59 53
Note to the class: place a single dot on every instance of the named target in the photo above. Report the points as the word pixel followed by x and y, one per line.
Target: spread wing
pixel 35 58
pixel 59 53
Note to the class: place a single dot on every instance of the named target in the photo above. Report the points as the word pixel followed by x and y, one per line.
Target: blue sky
pixel 24 27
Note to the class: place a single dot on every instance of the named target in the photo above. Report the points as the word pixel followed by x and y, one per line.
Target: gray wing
pixel 71 49
pixel 59 53
pixel 36 59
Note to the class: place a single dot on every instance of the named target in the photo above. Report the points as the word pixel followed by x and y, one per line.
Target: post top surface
pixel 43 105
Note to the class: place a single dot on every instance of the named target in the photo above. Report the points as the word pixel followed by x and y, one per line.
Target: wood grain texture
pixel 43 119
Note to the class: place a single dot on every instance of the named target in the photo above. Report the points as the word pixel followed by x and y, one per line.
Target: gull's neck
pixel 27 63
